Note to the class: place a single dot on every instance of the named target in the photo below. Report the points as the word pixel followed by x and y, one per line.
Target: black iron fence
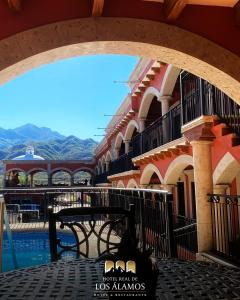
pixel 164 130
pixel 199 97
pixel 156 226
pixel 226 225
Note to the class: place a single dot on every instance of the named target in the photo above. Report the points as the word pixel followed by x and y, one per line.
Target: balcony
pixel 164 130
pixel 122 164
pixel 199 97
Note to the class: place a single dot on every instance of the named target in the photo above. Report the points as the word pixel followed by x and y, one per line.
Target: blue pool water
pixel 31 248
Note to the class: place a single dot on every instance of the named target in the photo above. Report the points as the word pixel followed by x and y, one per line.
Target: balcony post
pixel 165 103
pixel 116 152
pixel 142 122
pixel 202 161
pixel 201 137
pixel 127 146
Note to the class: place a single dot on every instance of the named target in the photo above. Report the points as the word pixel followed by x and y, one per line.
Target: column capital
pixel 165 98
pixel 201 142
pixel 168 187
pixel 220 188
pixel 199 129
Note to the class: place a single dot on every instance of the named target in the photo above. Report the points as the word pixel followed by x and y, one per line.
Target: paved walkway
pixel 77 280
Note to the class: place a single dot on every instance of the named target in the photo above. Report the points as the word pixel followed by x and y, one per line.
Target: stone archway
pixel 88 36
pixel 147 173
pixel 176 167
pixel 132 184
pixel 226 170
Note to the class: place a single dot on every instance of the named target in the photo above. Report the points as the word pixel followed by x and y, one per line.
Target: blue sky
pixel 70 96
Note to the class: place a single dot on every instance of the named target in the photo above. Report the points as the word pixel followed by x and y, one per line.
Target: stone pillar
pixel 49 174
pixel 72 180
pixel 165 103
pixel 221 220
pixel 127 146
pixel 202 161
pixel 199 134
pixel 31 180
pixel 26 179
pixel 142 125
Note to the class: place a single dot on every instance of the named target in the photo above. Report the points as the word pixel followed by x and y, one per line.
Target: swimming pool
pixel 31 248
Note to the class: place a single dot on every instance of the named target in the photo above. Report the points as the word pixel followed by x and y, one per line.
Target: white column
pixel 142 124
pixel 202 161
pixel 127 146
pixel 165 103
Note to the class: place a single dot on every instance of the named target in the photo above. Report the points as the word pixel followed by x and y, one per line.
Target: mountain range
pixel 47 143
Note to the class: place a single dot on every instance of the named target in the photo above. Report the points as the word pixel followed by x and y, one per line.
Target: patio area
pixel 77 279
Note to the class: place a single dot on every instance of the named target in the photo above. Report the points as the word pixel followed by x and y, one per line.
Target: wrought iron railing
pixel 185 241
pixel 225 211
pixel 122 164
pixel 165 129
pixel 153 210
pixel 199 97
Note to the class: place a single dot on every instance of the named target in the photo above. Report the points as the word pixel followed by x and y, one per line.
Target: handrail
pixel 184 227
pixel 163 130
pixel 76 189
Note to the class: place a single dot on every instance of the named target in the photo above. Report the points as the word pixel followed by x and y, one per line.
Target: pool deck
pixel 77 279
pixel 29 226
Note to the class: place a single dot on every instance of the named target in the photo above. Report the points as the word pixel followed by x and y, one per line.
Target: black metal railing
pixel 122 164
pixel 225 211
pixel 164 130
pixel 156 226
pixel 153 210
pixel 199 97
pixel 185 241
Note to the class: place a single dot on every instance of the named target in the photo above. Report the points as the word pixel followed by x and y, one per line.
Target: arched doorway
pixel 38 178
pixel 82 178
pixel 61 178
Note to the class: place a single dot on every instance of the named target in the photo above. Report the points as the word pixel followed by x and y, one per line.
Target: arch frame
pixel 132 183
pixel 130 129
pixel 226 170
pixel 120 184
pixel 88 36
pixel 118 141
pixel 16 169
pixel 169 81
pixel 147 98
pixel 84 169
pixel 54 171
pixel 176 167
pixel 147 173
pixel 37 169
pixel 108 156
